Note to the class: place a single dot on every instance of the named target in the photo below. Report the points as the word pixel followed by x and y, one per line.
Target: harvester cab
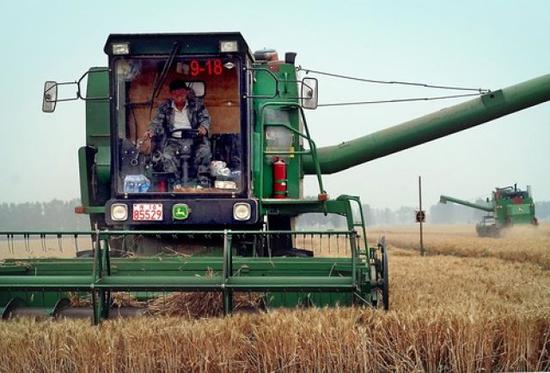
pixel 164 172
pixel 514 206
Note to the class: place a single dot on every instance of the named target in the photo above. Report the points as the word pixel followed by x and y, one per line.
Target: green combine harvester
pixel 157 230
pixel 508 206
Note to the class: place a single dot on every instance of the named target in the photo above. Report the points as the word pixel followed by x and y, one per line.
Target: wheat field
pixel 519 244
pixel 471 304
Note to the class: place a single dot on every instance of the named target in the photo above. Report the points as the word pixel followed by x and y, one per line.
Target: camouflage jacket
pixel 163 122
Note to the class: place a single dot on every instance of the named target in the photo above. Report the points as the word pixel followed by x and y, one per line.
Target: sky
pixel 487 44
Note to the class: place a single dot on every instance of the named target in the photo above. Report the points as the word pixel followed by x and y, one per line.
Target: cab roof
pixel 188 43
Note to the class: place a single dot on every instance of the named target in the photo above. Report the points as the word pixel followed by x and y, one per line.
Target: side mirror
pixel 50 97
pixel 309 94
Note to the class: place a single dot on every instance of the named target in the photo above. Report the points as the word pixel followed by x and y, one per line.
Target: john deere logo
pixel 180 211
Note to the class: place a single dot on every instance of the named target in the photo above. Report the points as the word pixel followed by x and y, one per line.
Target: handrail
pixel 312 146
pixel 362 224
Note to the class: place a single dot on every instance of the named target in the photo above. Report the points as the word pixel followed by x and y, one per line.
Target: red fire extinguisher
pixel 279 179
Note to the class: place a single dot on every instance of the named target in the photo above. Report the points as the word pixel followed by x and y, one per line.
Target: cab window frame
pixel 116 124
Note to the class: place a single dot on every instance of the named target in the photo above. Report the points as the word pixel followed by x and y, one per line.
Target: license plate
pixel 147 212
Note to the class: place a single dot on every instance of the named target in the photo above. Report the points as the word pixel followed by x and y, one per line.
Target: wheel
pixel 381 291
pixel 385 278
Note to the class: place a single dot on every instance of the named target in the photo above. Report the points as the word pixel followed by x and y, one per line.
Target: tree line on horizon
pixel 60 215
pixel 53 215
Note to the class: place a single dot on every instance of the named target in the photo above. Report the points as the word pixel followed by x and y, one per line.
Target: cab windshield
pixel 179 125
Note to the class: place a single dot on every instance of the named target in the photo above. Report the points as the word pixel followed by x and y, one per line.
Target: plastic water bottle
pixel 144 184
pixel 226 172
pixel 216 167
pixel 236 175
pixel 136 184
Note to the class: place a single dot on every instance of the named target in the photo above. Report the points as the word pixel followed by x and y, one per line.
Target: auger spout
pixel 430 127
pixel 445 199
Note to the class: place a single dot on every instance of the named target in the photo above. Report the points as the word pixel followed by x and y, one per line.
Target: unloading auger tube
pixel 445 199
pixel 445 122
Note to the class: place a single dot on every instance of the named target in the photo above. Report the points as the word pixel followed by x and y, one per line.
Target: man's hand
pixel 202 131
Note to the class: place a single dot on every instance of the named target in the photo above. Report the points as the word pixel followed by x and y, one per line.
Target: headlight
pixel 229 46
pixel 119 212
pixel 241 211
pixel 121 49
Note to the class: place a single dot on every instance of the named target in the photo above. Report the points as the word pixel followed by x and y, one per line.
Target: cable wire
pixel 399 100
pixel 479 91
pixel 396 82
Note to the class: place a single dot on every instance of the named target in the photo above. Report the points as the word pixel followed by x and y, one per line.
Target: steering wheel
pixel 185 133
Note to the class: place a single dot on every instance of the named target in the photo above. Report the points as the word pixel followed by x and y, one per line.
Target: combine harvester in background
pixel 508 206
pixel 235 225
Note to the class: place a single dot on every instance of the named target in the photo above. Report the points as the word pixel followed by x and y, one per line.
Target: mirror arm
pixel 77 96
pixel 79 90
